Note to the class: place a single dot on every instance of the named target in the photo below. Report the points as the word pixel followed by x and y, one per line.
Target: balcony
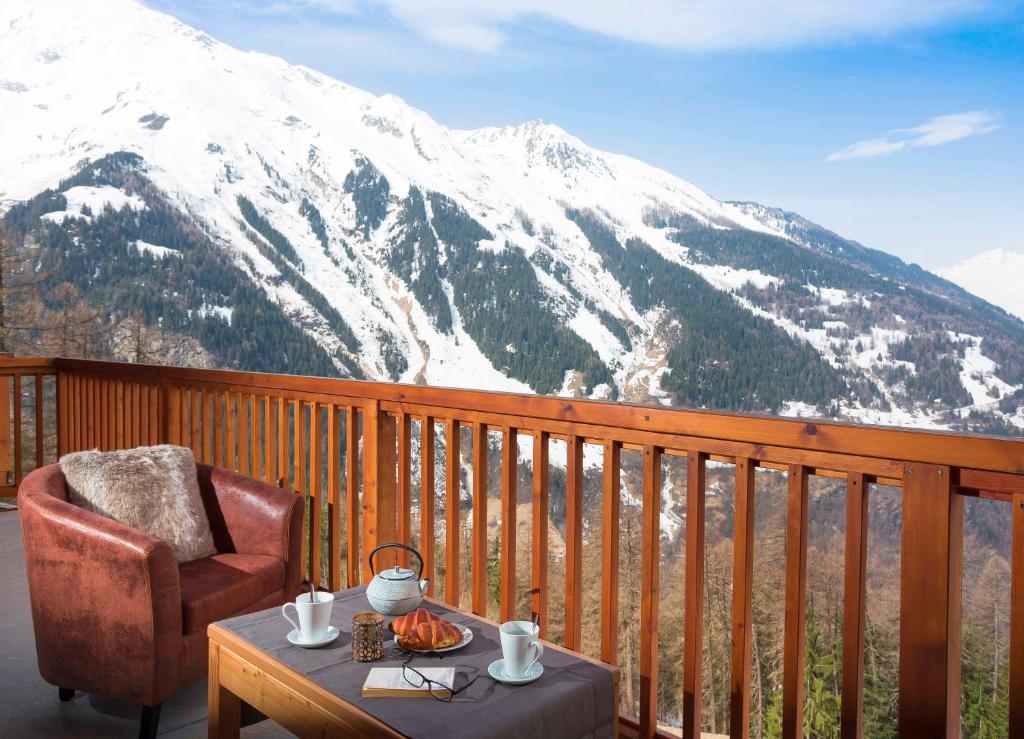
pixel 531 486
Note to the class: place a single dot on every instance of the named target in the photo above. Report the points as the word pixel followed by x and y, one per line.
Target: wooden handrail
pixel 356 446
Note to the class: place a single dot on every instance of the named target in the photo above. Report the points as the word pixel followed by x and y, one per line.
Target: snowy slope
pixel 996 275
pixel 216 126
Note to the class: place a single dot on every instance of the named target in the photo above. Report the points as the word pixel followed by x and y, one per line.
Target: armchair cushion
pixel 152 489
pixel 224 585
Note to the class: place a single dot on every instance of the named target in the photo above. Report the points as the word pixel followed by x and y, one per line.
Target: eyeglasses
pixel 438 691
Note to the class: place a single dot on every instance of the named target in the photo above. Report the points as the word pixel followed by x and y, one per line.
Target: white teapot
pixel 396 591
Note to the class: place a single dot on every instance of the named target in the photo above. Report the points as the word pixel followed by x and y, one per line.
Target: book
pixel 384 682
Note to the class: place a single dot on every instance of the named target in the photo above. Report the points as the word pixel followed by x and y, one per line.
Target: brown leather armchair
pixel 115 615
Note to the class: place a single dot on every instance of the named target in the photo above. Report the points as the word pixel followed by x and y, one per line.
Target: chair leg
pixel 149 722
pixel 65 694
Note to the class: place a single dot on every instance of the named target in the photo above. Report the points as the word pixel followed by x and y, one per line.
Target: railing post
pixel 379 482
pixel 929 679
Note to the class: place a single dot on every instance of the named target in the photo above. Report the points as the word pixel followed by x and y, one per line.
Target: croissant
pixel 406 624
pixel 435 634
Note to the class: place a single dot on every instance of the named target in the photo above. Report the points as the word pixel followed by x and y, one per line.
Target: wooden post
pixel 650 558
pixel 611 498
pixel 539 561
pixel 855 579
pixel 742 607
pixel 693 646
pixel 574 543
pixel 428 493
pixel 478 541
pixel 452 497
pixel 796 604
pixel 353 567
pixel 1016 655
pixel 379 484
pixel 929 680
pixel 333 496
pixel 509 474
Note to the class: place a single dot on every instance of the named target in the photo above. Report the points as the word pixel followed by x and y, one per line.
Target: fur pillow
pixel 153 489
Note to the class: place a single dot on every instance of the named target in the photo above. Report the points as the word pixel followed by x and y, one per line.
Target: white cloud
pixel 938 131
pixel 696 25
pixel 484 26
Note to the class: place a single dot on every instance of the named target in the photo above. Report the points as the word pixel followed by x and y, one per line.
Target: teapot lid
pixel 397 573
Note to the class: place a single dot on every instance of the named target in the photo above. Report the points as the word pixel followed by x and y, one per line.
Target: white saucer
pixel 332 634
pixel 497 670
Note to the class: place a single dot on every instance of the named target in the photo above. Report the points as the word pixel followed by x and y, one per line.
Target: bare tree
pixel 21 281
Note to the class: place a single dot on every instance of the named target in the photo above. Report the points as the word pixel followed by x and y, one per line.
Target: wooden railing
pixel 351 446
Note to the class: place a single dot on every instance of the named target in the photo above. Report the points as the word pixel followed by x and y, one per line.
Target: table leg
pixel 224 713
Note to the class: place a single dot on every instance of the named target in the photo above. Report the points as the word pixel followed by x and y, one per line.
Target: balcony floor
pixel 29 706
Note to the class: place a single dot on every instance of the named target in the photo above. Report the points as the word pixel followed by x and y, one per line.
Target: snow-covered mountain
pixel 996 275
pixel 288 221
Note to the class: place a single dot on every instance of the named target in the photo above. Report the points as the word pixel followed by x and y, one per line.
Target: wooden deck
pixel 350 445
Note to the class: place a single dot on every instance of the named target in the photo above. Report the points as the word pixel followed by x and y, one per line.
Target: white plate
pixel 497 670
pixel 293 637
pixel 467 637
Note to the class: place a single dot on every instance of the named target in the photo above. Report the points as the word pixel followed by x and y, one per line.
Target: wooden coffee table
pixel 241 671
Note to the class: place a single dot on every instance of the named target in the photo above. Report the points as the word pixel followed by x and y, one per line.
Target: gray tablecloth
pixel 573 698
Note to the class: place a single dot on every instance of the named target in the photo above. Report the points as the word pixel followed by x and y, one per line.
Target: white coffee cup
pixel 520 647
pixel 314 616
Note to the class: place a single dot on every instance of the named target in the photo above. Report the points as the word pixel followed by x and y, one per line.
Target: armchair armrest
pixel 251 517
pixel 106 602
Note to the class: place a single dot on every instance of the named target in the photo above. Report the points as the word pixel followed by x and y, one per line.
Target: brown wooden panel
pixel 693 620
pixel 172 399
pixel 611 497
pixel 427 500
pixel 73 411
pixel 136 416
pixel 107 421
pixel 270 447
pixel 796 604
pixel 283 442
pixel 452 485
pixel 256 436
pixel 315 493
pixel 574 543
pixel 650 556
pixel 931 565
pixel 379 485
pixel 231 411
pixel 404 429
pixel 118 391
pixel 300 459
pixel 1016 655
pixel 63 417
pixel 822 463
pixel 40 430
pixel 539 563
pixel 208 432
pixel 352 493
pixel 861 439
pixel 18 431
pixel 154 419
pixel 6 450
pixel 194 405
pixel 854 594
pixel 509 492
pixel 742 582
pixel 244 434
pixel 478 543
pixel 334 497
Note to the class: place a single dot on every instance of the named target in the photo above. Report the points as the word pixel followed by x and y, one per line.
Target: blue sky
pixel 899 123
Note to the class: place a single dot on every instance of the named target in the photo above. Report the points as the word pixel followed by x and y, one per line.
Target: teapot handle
pixel 396 546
